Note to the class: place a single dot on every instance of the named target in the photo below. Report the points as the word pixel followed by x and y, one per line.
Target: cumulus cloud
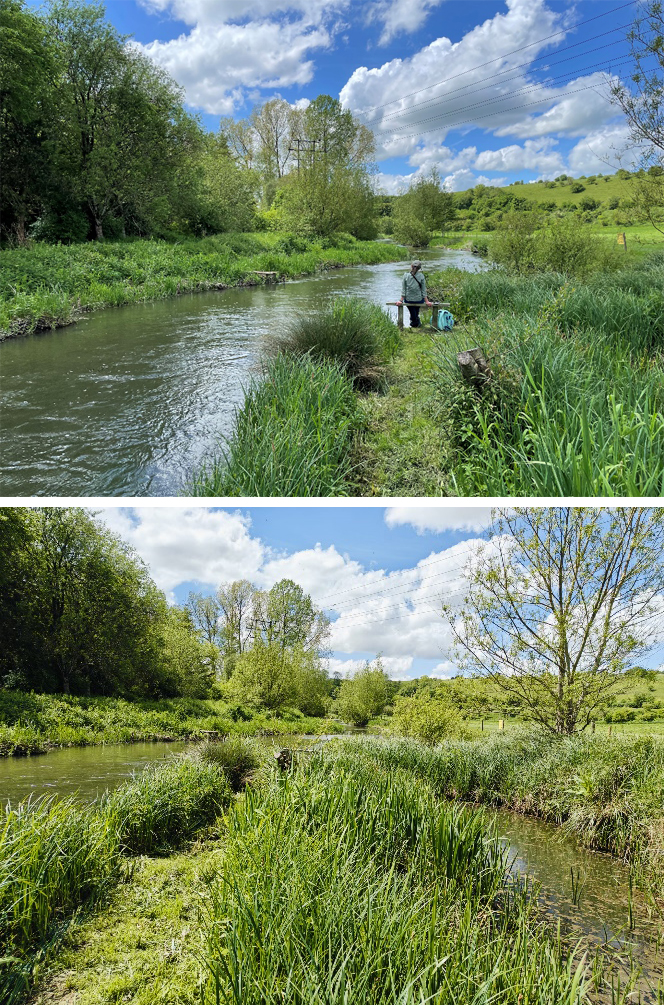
pixel 439 518
pixel 605 150
pixel 414 103
pixel 182 545
pixel 232 47
pixel 399 17
pixel 534 155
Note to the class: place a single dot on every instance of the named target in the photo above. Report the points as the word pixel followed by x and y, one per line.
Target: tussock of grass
pixel 359 337
pixel 348 883
pixel 236 757
pixel 292 435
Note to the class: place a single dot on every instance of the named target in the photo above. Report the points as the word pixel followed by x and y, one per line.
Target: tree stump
pixel 284 759
pixel 473 365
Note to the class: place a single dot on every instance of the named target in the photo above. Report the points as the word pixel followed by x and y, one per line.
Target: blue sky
pixel 381 574
pixel 530 121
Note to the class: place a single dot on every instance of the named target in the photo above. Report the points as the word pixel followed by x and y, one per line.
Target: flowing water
pixel 129 401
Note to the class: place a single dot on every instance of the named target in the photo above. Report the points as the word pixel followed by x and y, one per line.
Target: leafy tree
pixel 559 602
pixel 424 209
pixel 364 695
pixel 643 105
pixel 286 617
pixel 27 65
pixel 189 663
pixel 263 677
pixel 426 718
pixel 236 621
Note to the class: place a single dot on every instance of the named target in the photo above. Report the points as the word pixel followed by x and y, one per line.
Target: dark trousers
pixel 414 311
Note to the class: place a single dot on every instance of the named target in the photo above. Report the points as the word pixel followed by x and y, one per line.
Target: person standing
pixel 414 293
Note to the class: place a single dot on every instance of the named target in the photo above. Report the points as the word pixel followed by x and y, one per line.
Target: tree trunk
pixel 99 231
pixel 21 236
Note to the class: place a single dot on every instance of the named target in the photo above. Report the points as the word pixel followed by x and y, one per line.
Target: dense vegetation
pixel 80 616
pixel 293 434
pixel 46 286
pixel 606 791
pixel 57 856
pixel 98 144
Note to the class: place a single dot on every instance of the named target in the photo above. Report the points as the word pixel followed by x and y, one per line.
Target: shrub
pixel 427 719
pixel 357 336
pixel 236 757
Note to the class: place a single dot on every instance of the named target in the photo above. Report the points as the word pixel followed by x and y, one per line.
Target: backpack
pixel 445 321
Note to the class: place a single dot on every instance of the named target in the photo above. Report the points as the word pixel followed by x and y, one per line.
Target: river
pixel 129 401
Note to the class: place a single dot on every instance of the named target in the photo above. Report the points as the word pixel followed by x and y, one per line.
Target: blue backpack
pixel 445 321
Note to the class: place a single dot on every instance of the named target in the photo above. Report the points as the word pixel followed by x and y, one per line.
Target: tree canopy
pixel 559 601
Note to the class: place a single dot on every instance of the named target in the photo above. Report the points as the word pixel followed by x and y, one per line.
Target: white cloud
pixel 395 667
pixel 443 671
pixel 219 59
pixel 182 545
pixel 534 155
pixel 603 151
pixel 439 518
pixel 399 17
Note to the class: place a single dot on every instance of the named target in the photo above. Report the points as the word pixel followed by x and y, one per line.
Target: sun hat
pixel 418 264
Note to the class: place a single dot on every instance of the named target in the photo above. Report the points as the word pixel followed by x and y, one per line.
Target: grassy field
pixel 33 723
pixel 47 286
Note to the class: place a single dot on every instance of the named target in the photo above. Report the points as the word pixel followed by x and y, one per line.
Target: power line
pixel 529 63
pixel 522 48
pixel 502 97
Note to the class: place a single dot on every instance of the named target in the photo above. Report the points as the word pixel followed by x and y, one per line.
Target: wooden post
pixel 608 732
pixel 622 239
pixel 434 317
pixel 501 724
pixel 399 315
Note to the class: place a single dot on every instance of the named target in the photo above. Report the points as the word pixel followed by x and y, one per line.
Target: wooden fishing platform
pixel 435 307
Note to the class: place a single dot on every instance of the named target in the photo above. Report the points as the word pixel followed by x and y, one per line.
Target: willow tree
pixel 560 602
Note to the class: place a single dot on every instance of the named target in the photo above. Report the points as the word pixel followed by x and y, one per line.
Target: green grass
pixel 33 723
pixel 57 857
pixel 609 792
pixel 575 405
pixel 344 882
pixel 359 337
pixel 292 435
pixel 46 286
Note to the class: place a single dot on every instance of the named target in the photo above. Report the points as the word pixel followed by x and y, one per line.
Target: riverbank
pixel 49 286
pixel 58 858
pixel 336 882
pixel 608 792
pixel 35 723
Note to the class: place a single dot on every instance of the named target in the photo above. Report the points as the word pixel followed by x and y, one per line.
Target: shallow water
pixel 129 401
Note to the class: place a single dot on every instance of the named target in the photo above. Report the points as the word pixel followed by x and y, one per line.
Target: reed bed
pixel 344 883
pixel 608 792
pixel 46 286
pixel 575 405
pixel 58 856
pixel 291 437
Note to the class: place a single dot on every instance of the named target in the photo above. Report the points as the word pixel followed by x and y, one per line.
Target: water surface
pixel 130 400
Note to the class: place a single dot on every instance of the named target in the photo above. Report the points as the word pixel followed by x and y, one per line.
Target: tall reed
pixel 292 435
pixel 344 884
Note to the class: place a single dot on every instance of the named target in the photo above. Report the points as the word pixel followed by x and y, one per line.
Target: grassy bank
pixel 34 723
pixel 47 286
pixel 609 792
pixel 58 857
pixel 574 405
pixel 294 433
pixel 339 881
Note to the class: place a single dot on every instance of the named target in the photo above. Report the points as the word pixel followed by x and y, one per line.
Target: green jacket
pixel 414 287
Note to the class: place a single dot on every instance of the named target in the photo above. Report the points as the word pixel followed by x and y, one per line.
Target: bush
pixel 359 337
pixel 427 719
pixel 236 757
